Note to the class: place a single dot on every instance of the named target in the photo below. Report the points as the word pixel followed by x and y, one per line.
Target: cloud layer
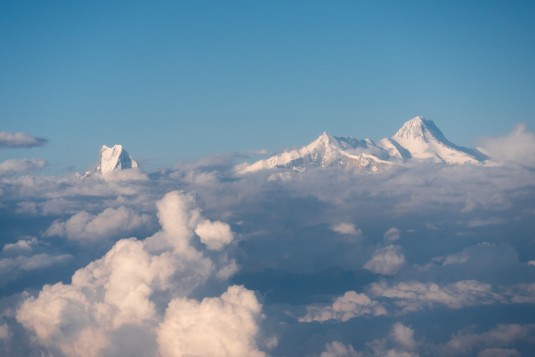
pixel 420 260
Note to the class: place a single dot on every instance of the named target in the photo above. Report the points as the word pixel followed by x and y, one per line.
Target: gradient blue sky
pixel 179 80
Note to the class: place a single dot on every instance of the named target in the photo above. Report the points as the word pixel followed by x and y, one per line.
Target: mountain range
pixel 418 139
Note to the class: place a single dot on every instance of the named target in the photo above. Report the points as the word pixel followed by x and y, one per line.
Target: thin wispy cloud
pixel 20 140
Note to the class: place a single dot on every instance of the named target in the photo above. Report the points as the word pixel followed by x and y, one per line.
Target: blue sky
pixel 177 80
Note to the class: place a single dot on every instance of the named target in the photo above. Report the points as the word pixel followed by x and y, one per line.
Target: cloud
pixel 338 349
pixel 15 166
pixel 19 140
pixel 22 245
pixel 386 261
pixel 403 335
pixel 414 296
pixel 517 147
pixel 345 307
pixel 392 234
pixel 494 342
pixel 346 228
pixel 4 332
pixel 455 242
pixel 220 326
pixel 13 267
pixel 112 222
pixel 215 235
pixel 140 291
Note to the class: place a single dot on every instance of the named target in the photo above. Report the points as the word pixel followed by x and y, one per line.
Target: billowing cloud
pixel 144 287
pixel 386 261
pixel 112 222
pixel 220 326
pixel 15 166
pixel 403 335
pixel 517 147
pixel 19 140
pixel 214 234
pixel 345 307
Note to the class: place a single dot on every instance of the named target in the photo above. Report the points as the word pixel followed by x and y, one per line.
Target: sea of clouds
pixel 420 260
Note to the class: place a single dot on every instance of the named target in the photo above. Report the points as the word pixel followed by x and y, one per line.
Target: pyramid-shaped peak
pixel 115 158
pixel 324 139
pixel 419 128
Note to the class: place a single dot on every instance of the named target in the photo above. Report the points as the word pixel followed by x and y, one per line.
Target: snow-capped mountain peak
pixel 418 128
pixel 114 159
pixel 418 139
pixel 424 140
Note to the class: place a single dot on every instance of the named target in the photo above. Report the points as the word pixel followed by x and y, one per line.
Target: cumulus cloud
pixel 346 228
pixel 19 140
pixel 15 166
pixel 345 307
pixel 220 326
pixel 112 222
pixel 403 335
pixel 517 147
pixel 22 245
pixel 144 287
pixel 215 235
pixel 386 261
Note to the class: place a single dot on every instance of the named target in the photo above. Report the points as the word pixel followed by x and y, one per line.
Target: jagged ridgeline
pixel 417 139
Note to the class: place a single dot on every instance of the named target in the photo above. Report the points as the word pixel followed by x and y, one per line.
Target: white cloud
pixel 494 342
pixel 403 335
pixel 22 245
pixel 413 296
pixel 133 285
pixel 219 326
pixel 516 147
pixel 215 235
pixel 387 261
pixel 346 228
pixel 338 349
pixel 345 307
pixel 15 166
pixel 392 234
pixel 19 140
pixel 112 222
pixel 32 262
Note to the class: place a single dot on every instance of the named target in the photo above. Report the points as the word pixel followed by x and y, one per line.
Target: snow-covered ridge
pixel 113 159
pixel 417 139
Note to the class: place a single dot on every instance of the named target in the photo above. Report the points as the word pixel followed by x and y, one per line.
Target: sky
pixel 180 80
